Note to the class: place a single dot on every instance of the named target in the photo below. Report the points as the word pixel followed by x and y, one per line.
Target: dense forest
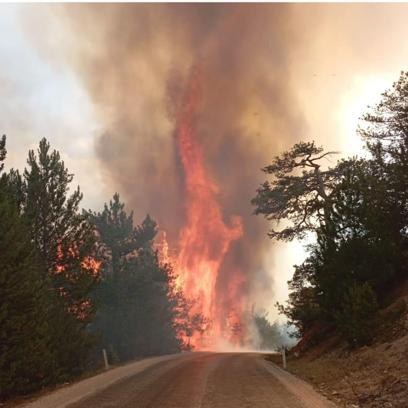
pixel 356 215
pixel 74 282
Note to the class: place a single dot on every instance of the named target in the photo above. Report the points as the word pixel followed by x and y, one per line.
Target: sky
pixel 103 84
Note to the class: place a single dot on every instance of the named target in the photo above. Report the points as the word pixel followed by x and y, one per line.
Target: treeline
pixel 357 211
pixel 73 282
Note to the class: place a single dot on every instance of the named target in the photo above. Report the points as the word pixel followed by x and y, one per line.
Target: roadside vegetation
pixel 349 292
pixel 74 282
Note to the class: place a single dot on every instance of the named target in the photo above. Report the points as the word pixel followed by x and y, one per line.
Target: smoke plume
pixel 256 63
pixel 135 60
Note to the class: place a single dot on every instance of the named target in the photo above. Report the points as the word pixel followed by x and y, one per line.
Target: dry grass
pixel 372 377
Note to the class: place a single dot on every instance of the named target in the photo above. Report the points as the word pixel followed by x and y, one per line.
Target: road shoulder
pixel 75 392
pixel 301 389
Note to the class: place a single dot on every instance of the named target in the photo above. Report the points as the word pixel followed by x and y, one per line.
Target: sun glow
pixel 365 92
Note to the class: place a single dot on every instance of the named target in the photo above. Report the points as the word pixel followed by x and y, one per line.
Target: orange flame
pixel 205 239
pixel 80 309
pixel 89 264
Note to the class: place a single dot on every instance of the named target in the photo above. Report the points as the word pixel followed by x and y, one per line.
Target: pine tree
pixel 136 310
pixel 299 192
pixel 3 151
pixel 385 130
pixel 66 244
pixel 25 333
pixel 25 300
pixel 360 218
pixel 358 315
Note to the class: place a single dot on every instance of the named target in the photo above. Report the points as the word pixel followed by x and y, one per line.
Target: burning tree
pixel 137 307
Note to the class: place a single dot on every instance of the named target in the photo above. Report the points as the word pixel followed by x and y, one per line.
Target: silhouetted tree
pixel 359 212
pixel 300 191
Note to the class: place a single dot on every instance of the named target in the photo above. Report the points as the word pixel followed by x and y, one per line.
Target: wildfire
pixel 205 239
pixel 91 266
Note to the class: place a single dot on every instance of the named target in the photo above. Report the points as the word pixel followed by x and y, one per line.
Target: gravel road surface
pixel 196 380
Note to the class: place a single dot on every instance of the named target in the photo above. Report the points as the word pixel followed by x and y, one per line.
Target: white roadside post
pixel 105 359
pixel 284 357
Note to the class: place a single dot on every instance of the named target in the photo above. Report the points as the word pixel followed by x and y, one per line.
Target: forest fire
pixel 89 264
pixel 205 238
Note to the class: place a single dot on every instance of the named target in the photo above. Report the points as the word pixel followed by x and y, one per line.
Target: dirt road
pixel 227 380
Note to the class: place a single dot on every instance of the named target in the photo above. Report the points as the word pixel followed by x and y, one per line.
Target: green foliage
pixel 49 254
pixel 45 286
pixel 302 308
pixel 116 233
pixel 58 228
pixel 359 213
pixel 385 127
pixel 136 306
pixel 64 240
pixel 358 315
pixel 62 235
pixel 25 299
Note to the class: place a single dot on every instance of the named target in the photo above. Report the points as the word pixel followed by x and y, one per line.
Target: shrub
pixel 358 315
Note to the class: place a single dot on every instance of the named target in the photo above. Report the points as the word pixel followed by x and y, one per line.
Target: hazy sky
pixel 71 75
pixel 40 99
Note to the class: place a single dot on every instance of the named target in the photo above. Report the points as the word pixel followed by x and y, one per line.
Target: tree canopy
pixel 136 306
pixel 357 210
pixel 299 192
